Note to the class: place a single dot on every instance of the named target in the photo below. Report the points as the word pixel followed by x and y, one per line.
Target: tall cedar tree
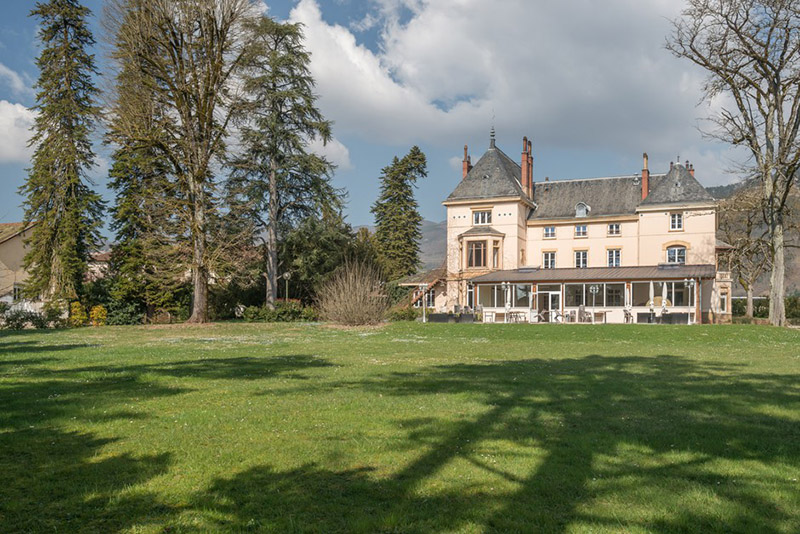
pixel 191 55
pixel 398 222
pixel 277 181
pixel 57 195
pixel 148 258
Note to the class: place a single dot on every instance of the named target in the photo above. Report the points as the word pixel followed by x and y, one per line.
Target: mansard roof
pixel 677 187
pixel 494 176
pixel 620 195
pixel 604 196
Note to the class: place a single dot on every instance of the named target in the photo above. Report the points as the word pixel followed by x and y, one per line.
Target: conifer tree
pixel 277 181
pixel 58 196
pixel 398 222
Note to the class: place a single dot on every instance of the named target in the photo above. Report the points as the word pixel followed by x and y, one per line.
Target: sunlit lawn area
pixel 406 428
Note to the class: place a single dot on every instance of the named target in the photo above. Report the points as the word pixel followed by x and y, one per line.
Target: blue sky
pixel 590 82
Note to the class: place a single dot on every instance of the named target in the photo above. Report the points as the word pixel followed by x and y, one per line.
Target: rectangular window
pixel 581 259
pixel 574 295
pixel 496 255
pixel 481 217
pixel 549 232
pixel 580 230
pixel 470 297
pixel 723 303
pixel 614 257
pixel 476 254
pixel 615 295
pixel 676 255
pixel 429 298
pixel 17 292
pixel 548 260
pixel 676 221
pixel 613 229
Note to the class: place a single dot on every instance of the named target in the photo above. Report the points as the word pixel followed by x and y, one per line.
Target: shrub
pixel 19 319
pixel 77 314
pixel 4 307
pixel 353 295
pixel 284 312
pixel 406 313
pixel 98 315
pixel 124 313
pixel 54 315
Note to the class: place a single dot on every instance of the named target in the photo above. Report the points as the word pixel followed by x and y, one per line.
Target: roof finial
pixel 491 137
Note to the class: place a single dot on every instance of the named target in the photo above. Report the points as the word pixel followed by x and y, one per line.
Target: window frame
pixel 615 233
pixel 617 257
pixel 673 218
pixel 676 249
pixel 584 232
pixel 551 254
pixel 496 255
pixel 545 232
pixel 584 255
pixel 471 255
pixel 487 217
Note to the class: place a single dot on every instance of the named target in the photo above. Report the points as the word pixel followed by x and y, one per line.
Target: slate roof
pixel 604 196
pixel 649 272
pixel 481 230
pixel 495 175
pixel 677 187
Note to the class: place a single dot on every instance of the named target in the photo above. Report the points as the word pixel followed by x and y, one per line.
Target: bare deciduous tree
pixel 742 226
pixel 751 51
pixel 191 53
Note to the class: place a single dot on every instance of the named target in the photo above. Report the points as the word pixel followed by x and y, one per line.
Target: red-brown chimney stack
pixel 530 169
pixel 466 165
pixel 524 163
pixel 645 178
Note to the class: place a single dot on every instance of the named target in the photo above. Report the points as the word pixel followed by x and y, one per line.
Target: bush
pixel 4 307
pixel 406 313
pixel 20 319
pixel 77 314
pixel 354 295
pixel 54 315
pixel 284 312
pixel 124 313
pixel 98 315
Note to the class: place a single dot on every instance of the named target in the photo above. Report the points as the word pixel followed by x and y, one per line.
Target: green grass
pixel 409 428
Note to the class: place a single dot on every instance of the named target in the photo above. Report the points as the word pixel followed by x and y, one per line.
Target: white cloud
pixel 14 80
pixel 575 77
pixel 15 123
pixel 336 152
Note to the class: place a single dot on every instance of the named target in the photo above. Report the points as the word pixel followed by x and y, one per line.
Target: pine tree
pixel 398 222
pixel 277 180
pixel 58 198
pixel 148 258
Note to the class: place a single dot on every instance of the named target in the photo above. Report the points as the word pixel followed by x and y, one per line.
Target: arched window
pixel 676 255
pixel 582 210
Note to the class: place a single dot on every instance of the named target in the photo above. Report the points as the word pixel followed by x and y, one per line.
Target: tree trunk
pixel 199 267
pixel 272 239
pixel 749 309
pixel 777 290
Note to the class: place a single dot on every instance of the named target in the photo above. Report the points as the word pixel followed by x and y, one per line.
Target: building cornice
pixel 568 221
pixel 487 201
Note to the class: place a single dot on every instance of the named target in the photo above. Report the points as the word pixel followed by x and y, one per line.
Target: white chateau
pixel 639 248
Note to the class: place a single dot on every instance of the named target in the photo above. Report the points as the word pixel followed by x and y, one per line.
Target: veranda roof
pixel 654 272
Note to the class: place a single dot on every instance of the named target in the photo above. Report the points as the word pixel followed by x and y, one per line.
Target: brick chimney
pixel 525 165
pixel 691 169
pixel 645 177
pixel 466 165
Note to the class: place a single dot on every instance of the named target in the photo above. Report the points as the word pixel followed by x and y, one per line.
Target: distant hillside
pixel 433 246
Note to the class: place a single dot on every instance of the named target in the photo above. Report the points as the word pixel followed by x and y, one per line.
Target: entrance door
pixel 555 306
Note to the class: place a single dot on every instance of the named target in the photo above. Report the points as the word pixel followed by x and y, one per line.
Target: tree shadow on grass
pixel 57 480
pixel 661 444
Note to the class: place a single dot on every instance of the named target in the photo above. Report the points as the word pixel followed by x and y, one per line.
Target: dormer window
pixel 582 210
pixel 481 217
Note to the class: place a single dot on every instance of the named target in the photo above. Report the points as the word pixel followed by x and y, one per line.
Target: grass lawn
pixel 407 428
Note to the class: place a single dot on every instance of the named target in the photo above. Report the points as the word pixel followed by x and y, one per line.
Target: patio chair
pixel 628 316
pixel 583 315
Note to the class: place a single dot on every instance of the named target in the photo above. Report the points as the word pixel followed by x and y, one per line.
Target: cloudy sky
pixel 589 82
